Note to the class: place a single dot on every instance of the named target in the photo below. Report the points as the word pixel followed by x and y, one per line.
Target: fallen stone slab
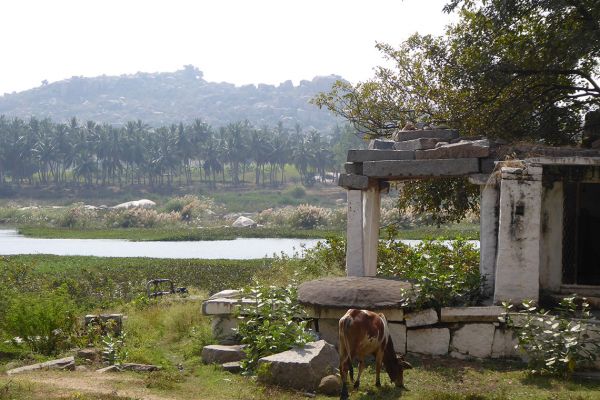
pixel 233 367
pixel 441 134
pixel 463 149
pixel 420 168
pixel 220 354
pixel 300 368
pixel 110 368
pixel 61 363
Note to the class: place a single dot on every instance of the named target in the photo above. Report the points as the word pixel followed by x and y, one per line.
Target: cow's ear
pixel 405 364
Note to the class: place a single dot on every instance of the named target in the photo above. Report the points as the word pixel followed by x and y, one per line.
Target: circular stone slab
pixel 353 292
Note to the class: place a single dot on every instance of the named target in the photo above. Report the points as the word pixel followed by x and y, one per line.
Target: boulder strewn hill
pixel 171 97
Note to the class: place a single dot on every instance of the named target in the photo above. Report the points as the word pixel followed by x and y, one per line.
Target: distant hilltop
pixel 171 97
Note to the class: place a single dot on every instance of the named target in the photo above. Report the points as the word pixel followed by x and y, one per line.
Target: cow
pixel 363 333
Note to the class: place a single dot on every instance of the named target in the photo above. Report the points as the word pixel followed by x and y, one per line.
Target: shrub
pixel 443 273
pixel 76 217
pixel 190 207
pixel 308 217
pixel 297 192
pixel 556 343
pixel 141 218
pixel 45 322
pixel 271 324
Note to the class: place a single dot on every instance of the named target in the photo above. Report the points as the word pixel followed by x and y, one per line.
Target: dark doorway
pixel 581 234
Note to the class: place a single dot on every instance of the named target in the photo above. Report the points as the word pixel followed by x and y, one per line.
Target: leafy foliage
pixel 557 343
pixel 443 274
pixel 271 324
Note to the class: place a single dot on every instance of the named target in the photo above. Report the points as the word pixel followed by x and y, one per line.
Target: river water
pixel 239 249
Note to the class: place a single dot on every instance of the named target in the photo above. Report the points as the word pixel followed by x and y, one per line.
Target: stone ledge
pixel 378 155
pixel 441 134
pixel 353 181
pixel 471 314
pixel 420 168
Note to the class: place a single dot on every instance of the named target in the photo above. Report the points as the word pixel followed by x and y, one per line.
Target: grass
pixel 466 231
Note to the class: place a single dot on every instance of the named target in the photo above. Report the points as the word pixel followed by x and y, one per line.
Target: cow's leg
pixel 351 371
pixel 361 367
pixel 378 362
pixel 344 363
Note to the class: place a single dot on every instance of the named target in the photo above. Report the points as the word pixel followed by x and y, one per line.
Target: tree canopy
pixel 516 69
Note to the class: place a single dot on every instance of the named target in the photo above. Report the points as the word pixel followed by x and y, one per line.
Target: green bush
pixel 297 192
pixel 271 324
pixel 46 321
pixel 76 216
pixel 443 273
pixel 556 344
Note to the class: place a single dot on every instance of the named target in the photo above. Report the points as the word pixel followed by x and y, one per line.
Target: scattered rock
pixel 331 385
pixel 110 368
pixel 81 368
pixel 300 368
pixel 139 367
pixel 89 355
pixel 219 354
pixel 243 222
pixel 226 294
pixel 143 203
pixel 61 363
pixel 234 367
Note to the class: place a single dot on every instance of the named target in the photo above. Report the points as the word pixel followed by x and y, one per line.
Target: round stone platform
pixel 353 292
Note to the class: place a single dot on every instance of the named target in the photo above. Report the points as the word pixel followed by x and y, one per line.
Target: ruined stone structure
pixel 540 209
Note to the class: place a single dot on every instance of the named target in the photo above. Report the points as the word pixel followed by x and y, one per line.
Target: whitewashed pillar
pixel 488 234
pixel 518 257
pixel 371 214
pixel 354 234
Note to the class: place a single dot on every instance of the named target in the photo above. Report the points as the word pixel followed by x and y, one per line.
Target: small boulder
pixel 67 363
pixel 110 368
pixel 220 354
pixel 331 385
pixel 143 203
pixel 88 355
pixel 234 367
pixel 300 368
pixel 139 367
pixel 243 222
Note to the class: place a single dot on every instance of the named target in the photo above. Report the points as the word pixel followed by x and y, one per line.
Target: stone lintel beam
pixel 353 168
pixel 378 155
pixel 420 168
pixel 353 181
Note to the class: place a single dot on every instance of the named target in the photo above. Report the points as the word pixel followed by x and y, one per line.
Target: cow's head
pixel 402 364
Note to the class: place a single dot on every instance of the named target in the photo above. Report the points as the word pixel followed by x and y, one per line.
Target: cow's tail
pixel 344 326
pixel 386 330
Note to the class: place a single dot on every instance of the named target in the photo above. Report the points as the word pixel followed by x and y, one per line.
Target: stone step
pixel 220 354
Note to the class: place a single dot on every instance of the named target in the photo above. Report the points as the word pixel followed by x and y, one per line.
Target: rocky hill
pixel 171 97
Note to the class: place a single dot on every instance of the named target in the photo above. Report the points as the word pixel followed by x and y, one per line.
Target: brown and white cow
pixel 364 333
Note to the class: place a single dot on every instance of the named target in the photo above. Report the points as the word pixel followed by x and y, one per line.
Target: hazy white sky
pixel 238 41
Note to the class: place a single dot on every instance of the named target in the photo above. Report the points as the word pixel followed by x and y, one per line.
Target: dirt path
pixel 65 383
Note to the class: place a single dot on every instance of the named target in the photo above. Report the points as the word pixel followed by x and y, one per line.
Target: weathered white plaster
pixel 371 215
pixel 518 256
pixel 504 344
pixel 551 237
pixel 355 242
pixel 488 236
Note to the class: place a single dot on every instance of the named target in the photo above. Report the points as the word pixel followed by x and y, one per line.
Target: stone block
pixel 463 149
pixel 331 385
pixel 504 344
pixel 416 144
pixel 233 367
pixel 227 294
pixel 431 341
pixel 378 155
pixel 353 168
pixel 61 363
pixel 474 340
pixel 329 330
pixel 223 306
pixel 300 368
pixel 398 334
pixel 441 134
pixel 381 144
pixel 421 318
pixel 353 181
pixel 471 314
pixel 420 168
pixel 220 354
pixel 88 355
pixel 224 329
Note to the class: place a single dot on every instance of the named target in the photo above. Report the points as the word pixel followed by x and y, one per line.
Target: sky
pixel 237 41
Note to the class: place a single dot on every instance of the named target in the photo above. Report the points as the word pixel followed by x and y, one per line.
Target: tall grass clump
pixel 307 216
